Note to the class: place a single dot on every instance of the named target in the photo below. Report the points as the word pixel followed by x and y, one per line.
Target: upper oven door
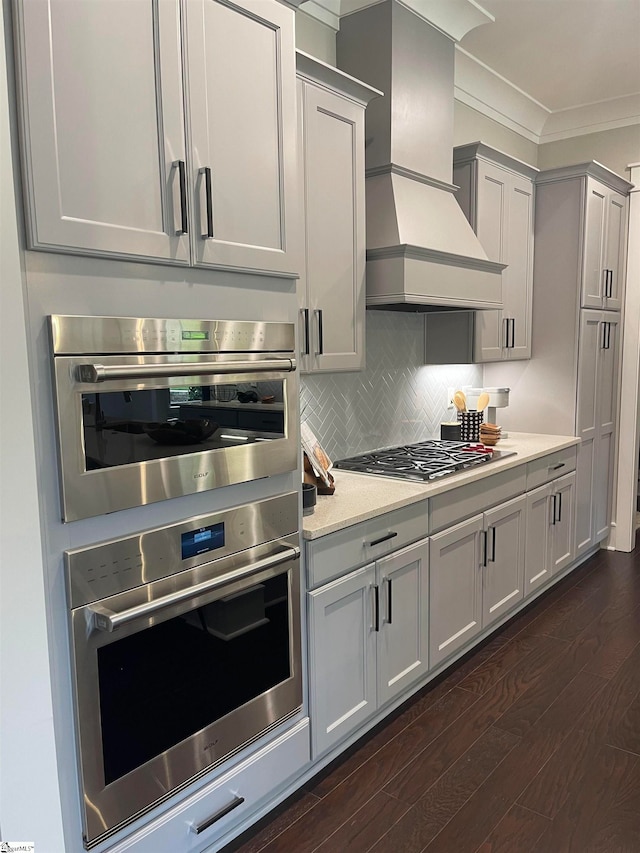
pixel 137 429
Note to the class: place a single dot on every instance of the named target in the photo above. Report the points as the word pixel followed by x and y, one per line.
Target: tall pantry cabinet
pixel 570 384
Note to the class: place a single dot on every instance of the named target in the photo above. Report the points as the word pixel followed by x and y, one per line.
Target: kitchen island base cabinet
pixel 368 642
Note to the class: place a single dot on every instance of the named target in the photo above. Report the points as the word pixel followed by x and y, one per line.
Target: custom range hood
pixel 422 254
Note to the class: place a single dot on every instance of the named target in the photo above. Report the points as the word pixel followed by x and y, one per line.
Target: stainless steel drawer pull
pixel 205 171
pixel 200 827
pixel 390 535
pixel 92 373
pixel 108 620
pixel 182 182
pixel 556 467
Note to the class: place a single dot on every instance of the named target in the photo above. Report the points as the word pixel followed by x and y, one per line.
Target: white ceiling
pixel 562 53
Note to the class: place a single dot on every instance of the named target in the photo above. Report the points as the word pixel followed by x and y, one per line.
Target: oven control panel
pixel 102 570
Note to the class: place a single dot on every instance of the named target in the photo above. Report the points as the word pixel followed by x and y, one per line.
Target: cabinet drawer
pixel 340 552
pixel 547 468
pixel 454 506
pixel 259 777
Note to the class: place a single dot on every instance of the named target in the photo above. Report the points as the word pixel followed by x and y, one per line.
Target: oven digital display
pixel 202 540
pixel 194 335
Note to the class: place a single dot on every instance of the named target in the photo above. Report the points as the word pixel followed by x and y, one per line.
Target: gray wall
pixel 470 126
pixel 397 399
pixel 616 149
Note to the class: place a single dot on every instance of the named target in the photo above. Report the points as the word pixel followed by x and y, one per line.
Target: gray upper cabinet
pixel 241 98
pixel 331 108
pixel 497 196
pixel 101 134
pixel 108 168
pixel 604 245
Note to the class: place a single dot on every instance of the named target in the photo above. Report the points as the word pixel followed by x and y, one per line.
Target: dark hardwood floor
pixel 530 744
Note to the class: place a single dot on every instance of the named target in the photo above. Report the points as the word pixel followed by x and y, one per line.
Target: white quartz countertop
pixel 362 496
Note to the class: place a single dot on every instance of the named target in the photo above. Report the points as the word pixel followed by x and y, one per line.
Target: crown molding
pixel 455 18
pixel 592 118
pixel 481 88
pixel 325 11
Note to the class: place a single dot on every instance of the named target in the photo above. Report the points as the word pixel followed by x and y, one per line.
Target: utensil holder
pixel 470 425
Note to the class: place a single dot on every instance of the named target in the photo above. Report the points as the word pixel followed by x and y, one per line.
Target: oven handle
pixel 100 373
pixel 108 620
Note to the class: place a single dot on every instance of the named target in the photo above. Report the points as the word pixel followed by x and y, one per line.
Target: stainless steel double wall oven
pixel 186 647
pixel 149 409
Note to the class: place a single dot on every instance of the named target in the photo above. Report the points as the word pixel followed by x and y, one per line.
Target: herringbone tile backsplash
pixel 397 399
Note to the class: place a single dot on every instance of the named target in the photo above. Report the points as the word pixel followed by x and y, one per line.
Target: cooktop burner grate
pixel 427 460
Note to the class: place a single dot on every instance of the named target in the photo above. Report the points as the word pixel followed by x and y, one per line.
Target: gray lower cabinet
pixel 368 642
pixel 476 576
pixel 550 538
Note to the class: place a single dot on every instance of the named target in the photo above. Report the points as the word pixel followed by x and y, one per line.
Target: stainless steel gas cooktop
pixel 427 460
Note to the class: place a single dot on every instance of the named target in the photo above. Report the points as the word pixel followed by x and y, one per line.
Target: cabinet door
pixel 242 118
pixel 333 134
pixel 615 249
pixel 491 217
pixel 594 237
pixel 562 532
pixel 591 338
pixel 103 120
pixel 537 559
pixel 342 655
pixel 503 575
pixel 605 442
pixel 403 639
pixel 504 225
pixel 455 589
pixel 518 277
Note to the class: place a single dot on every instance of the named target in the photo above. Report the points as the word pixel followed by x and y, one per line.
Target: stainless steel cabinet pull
pixel 513 333
pixel 492 558
pixel 605 282
pixel 559 507
pixel 505 323
pixel 389 602
pixel 603 343
pixel 305 312
pixel 182 180
pixel 320 350
pixel 92 373
pixel 376 608
pixel 553 509
pixel 608 335
pixel 556 467
pixel 392 534
pixel 200 827
pixel 205 171
pixel 484 547
pixel 108 620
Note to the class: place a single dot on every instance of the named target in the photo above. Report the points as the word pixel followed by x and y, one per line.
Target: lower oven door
pixel 175 676
pixel 133 430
